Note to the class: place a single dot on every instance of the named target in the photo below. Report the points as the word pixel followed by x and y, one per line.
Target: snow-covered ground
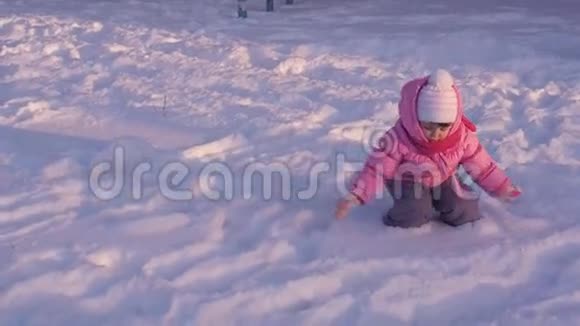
pixel 186 91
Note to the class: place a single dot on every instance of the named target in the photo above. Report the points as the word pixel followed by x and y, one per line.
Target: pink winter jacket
pixel 402 154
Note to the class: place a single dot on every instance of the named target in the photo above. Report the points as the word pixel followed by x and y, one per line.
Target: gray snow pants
pixel 414 205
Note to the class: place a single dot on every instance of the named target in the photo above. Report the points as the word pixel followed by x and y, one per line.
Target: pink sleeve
pixel 380 165
pixel 482 168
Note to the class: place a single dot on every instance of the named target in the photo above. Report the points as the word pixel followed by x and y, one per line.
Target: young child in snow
pixel 418 158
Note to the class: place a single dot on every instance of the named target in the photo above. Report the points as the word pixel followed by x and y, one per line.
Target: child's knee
pixel 409 218
pixel 462 213
pixel 412 206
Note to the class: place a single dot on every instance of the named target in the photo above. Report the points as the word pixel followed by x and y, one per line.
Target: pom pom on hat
pixel 437 100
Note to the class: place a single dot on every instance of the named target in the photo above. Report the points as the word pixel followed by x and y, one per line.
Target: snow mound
pixel 218 148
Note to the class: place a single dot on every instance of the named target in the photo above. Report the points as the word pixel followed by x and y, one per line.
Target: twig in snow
pixel 164 104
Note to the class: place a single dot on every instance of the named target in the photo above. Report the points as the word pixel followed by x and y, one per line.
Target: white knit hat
pixel 437 100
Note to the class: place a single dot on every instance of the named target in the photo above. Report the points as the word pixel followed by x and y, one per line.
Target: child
pixel 418 158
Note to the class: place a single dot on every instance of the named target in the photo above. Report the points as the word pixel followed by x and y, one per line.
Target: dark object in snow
pixel 269 5
pixel 242 11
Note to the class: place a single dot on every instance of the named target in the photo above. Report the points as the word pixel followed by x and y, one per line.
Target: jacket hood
pixel 409 117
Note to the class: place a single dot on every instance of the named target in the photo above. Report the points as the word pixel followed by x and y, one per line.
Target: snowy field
pixel 186 91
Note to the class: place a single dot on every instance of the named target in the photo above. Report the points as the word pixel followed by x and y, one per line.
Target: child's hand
pixel 344 206
pixel 510 194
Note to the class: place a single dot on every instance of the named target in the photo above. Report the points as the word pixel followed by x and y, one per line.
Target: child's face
pixel 434 131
